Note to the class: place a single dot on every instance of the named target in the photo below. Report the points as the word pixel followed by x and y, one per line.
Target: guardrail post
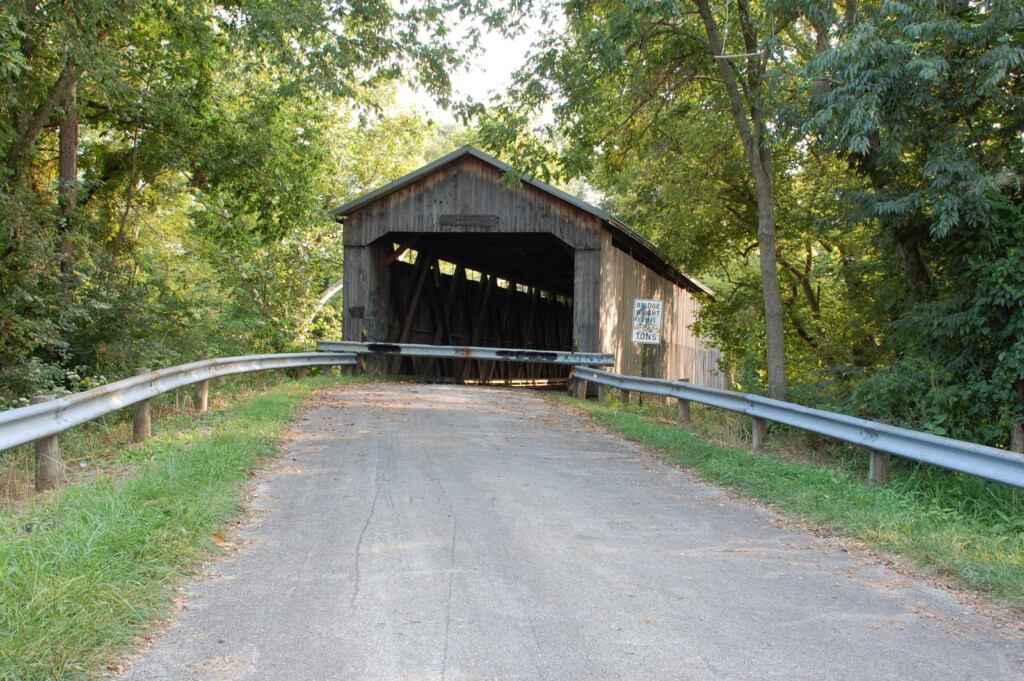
pixel 759 433
pixel 329 370
pixel 626 396
pixel 203 396
pixel 202 401
pixel 300 373
pixel 878 468
pixel 683 417
pixel 141 420
pixel 579 388
pixel 602 394
pixel 47 456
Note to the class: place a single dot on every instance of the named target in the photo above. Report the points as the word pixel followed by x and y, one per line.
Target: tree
pixel 924 101
pixel 224 106
pixel 623 63
pixel 679 175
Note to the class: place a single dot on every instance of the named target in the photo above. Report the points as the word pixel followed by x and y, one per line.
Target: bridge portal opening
pixel 490 290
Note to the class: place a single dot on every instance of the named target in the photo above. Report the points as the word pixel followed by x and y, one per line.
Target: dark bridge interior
pixel 493 290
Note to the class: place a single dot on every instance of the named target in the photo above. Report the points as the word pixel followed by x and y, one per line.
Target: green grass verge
pixel 955 525
pixel 97 561
pixel 105 442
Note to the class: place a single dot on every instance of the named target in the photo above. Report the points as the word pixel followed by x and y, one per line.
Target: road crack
pixel 362 533
pixel 448 607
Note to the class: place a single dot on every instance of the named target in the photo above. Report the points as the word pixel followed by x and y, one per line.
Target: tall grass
pixel 82 571
pixel 957 526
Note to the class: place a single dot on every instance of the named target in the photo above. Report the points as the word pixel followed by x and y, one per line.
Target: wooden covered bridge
pixel 449 255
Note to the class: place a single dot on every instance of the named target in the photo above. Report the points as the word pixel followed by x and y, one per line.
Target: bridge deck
pixel 451 532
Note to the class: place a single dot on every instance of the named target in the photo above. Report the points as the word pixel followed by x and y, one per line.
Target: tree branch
pixel 30 131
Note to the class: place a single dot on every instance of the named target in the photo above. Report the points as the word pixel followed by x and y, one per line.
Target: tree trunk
pixel 745 105
pixel 67 197
pixel 35 123
pixel 1017 434
pixel 773 331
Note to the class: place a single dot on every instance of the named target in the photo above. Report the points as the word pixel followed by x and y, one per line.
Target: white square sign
pixel 647 321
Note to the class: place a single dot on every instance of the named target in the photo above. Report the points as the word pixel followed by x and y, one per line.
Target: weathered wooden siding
pixel 470 187
pixel 586 300
pixel 680 355
pixel 367 290
pixel 394 301
pixel 446 202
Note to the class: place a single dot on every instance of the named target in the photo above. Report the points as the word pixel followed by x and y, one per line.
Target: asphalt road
pixel 416 532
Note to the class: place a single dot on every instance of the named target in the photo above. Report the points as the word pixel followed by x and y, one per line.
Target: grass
pixel 105 443
pixel 960 527
pixel 83 570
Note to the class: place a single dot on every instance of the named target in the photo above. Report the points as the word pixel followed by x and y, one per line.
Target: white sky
pixel 490 73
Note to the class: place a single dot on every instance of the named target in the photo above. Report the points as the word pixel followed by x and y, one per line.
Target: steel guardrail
pixel 990 463
pixel 27 424
pixel 469 352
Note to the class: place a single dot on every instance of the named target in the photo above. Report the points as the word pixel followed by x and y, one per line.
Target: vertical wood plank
pixel 586 300
pixel 878 468
pixel 759 433
pixel 47 450
pixel 141 416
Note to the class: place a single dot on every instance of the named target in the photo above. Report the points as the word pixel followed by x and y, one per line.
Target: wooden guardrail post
pixel 141 416
pixel 602 394
pixel 202 396
pixel 579 388
pixel 758 434
pixel 878 468
pixel 683 417
pixel 47 456
pixel 625 396
pixel 202 401
pixel 878 463
pixel 329 370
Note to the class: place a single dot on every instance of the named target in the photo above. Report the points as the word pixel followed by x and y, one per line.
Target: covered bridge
pixel 451 255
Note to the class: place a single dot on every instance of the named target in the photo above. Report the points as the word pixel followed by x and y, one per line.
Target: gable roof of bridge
pixel 653 255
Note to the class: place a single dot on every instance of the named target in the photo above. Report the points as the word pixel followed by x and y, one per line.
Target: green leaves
pixel 924 102
pixel 207 130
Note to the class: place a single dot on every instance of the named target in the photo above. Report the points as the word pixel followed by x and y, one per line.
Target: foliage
pixel 653 128
pixel 924 102
pixel 212 140
pixel 895 140
pixel 696 204
pixel 624 73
